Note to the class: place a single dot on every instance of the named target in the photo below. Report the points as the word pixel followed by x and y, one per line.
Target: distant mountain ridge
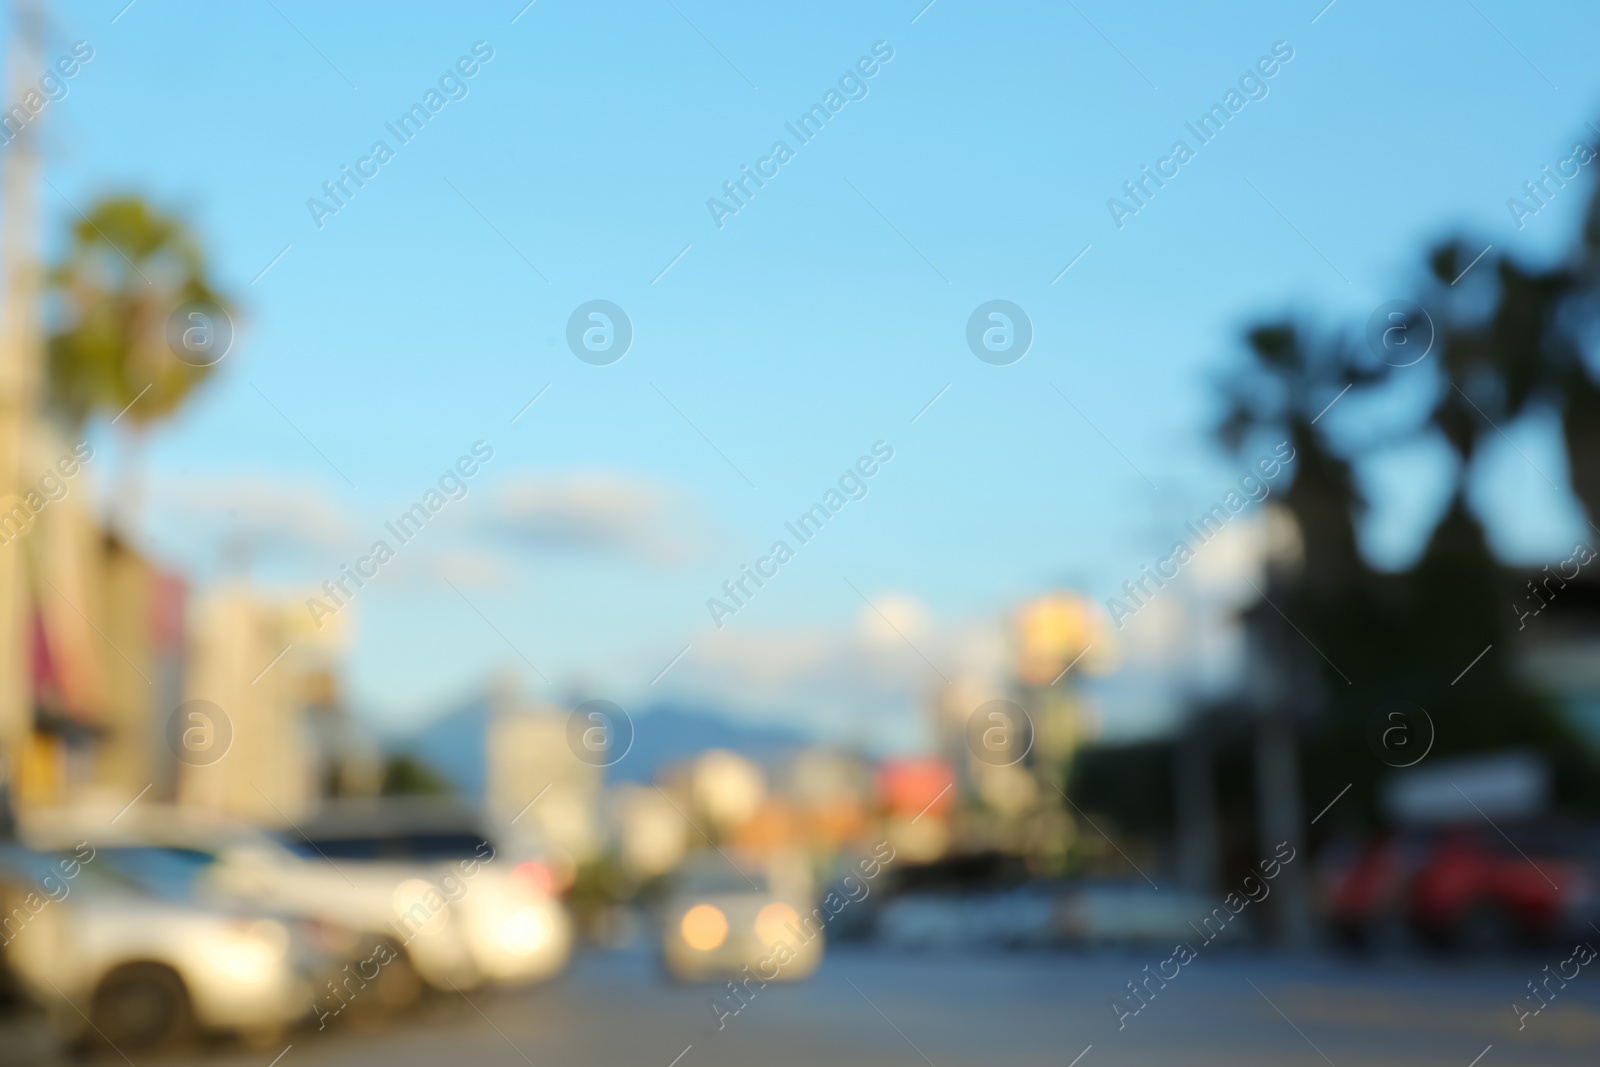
pixel 667 734
pixel 454 743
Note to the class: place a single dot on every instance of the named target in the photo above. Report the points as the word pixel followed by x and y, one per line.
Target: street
pixel 870 1007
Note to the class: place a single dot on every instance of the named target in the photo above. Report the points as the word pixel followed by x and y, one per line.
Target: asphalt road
pixel 867 1006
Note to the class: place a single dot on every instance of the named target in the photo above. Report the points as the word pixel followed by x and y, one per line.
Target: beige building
pixel 527 758
pixel 244 737
pixel 104 643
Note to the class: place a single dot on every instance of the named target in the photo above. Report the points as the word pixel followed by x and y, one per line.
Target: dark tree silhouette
pixel 1510 340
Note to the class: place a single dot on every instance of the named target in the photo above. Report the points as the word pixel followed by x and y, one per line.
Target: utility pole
pixel 1196 816
pixel 20 347
pixel 1279 816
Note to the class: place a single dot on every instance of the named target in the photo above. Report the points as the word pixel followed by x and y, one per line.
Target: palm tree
pixel 1510 340
pixel 137 323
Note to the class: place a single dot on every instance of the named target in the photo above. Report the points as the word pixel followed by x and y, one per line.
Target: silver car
pixel 141 966
pixel 721 919
pixel 431 901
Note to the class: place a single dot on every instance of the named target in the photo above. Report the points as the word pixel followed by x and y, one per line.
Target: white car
pixel 431 904
pixel 110 960
pixel 720 918
pixel 501 909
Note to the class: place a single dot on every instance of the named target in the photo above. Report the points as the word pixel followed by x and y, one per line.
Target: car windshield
pixel 167 872
pixel 416 846
pixel 723 878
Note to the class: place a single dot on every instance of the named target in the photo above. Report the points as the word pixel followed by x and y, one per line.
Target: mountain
pixel 453 744
pixel 667 734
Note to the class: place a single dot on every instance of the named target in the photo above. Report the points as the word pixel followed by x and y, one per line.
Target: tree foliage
pixel 406 775
pixel 126 268
pixel 1509 340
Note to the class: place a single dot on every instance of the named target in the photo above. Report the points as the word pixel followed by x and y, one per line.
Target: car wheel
pixel 142 1006
pixel 398 987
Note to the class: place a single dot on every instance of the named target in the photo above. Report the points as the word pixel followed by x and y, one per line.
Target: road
pixel 867 1006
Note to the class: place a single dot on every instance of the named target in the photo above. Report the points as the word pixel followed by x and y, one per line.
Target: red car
pixel 1468 887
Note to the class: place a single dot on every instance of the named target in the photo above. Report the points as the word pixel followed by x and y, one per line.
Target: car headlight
pixel 524 931
pixel 703 927
pixel 248 951
pixel 775 923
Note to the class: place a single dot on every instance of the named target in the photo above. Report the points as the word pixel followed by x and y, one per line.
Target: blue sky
pixel 820 319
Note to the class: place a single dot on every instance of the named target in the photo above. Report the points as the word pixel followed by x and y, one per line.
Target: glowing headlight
pixel 248 951
pixel 524 931
pixel 703 927
pixel 776 922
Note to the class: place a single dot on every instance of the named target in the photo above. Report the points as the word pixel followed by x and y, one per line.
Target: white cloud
pixel 475 568
pixel 867 683
pixel 596 511
pixel 250 513
pixel 892 618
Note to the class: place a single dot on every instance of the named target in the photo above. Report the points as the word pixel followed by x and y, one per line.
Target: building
pixel 244 735
pixel 105 639
pixel 534 777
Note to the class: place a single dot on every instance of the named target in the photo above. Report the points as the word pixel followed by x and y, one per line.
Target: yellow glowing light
pixel 774 924
pixel 704 927
pixel 1051 632
pixel 525 931
pixel 248 952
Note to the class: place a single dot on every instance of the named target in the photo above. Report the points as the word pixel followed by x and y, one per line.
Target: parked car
pixel 719 917
pixel 432 903
pixel 1468 887
pixel 503 903
pixel 110 959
